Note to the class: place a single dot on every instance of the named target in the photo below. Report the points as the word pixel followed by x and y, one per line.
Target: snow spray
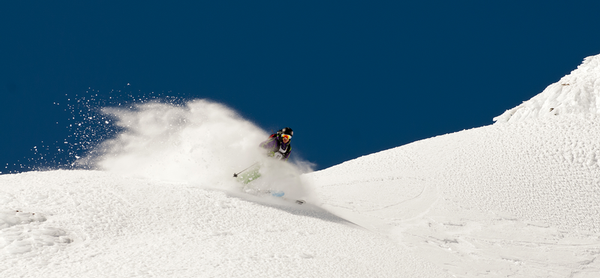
pixel 197 141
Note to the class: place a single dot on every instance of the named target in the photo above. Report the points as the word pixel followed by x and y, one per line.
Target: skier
pixel 278 145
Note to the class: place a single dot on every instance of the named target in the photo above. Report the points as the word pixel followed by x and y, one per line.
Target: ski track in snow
pixel 508 199
pixel 110 226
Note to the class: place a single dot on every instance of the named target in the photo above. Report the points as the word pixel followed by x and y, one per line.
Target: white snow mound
pixel 576 93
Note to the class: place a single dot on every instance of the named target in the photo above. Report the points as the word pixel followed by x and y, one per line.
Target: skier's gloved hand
pixel 278 156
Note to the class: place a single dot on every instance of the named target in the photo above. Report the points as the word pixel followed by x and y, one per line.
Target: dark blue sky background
pixel 350 77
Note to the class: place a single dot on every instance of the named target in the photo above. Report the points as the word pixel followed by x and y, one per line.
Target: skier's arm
pixel 269 144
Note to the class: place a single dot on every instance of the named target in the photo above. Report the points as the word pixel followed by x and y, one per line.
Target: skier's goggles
pixel 289 137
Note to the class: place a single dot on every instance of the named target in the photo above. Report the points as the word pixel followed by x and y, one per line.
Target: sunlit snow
pixel 519 198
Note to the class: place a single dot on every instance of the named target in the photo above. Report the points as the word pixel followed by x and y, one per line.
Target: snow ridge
pixel 577 93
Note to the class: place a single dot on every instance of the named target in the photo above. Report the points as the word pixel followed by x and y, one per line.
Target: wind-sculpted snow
pixel 575 94
pixel 22 232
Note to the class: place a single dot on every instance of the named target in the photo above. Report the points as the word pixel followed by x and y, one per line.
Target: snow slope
pixel 97 224
pixel 519 198
pixel 516 199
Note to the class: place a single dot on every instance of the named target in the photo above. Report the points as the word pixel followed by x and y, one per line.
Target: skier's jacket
pixel 276 148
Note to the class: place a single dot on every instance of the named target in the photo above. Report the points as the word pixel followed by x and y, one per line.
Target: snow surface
pixel 519 198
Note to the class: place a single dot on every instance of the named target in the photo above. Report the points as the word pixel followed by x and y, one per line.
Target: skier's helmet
pixel 287 132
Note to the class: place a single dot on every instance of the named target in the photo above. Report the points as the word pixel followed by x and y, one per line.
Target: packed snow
pixel 518 198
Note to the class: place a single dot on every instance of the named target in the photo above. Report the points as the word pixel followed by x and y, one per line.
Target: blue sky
pixel 351 78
